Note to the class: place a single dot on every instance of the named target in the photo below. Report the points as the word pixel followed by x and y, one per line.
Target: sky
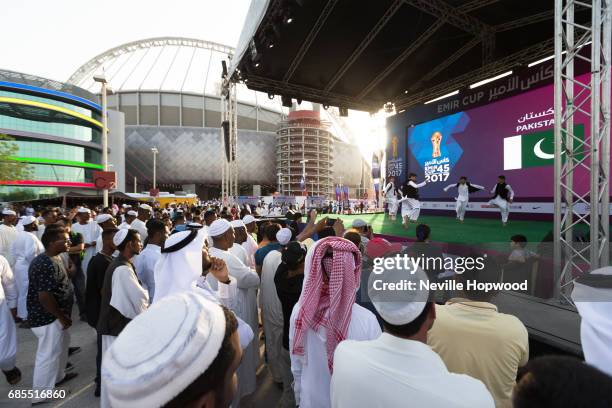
pixel 53 38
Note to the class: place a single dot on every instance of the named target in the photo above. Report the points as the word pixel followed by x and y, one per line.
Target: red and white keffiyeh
pixel 328 302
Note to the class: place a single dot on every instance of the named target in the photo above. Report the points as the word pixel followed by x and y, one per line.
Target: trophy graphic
pixel 436 139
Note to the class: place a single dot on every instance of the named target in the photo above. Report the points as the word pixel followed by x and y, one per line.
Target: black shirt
pixel 76 238
pixel 95 281
pixel 48 274
pixel 288 291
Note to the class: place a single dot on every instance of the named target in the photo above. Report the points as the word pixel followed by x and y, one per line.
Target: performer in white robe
pixel 411 206
pixel 464 189
pixel 8 333
pixel 502 198
pixel 8 234
pixel 25 248
pixel 311 343
pixel 247 280
pixel 390 193
pixel 90 231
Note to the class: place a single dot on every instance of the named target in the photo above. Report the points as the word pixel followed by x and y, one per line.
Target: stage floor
pixel 447 229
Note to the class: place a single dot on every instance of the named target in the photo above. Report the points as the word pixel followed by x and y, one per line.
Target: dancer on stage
pixel 411 206
pixel 503 196
pixel 464 189
pixel 390 193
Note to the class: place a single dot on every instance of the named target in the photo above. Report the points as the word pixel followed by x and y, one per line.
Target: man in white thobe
pixel 89 230
pixel 411 206
pixel 464 189
pixel 140 223
pixel 128 219
pixel 245 253
pixel 502 198
pixel 247 280
pixel 8 234
pixel 49 217
pixel 271 309
pixel 250 244
pixel 104 221
pixel 309 342
pixel 25 248
pixel 8 333
pixel 399 368
pixel 145 262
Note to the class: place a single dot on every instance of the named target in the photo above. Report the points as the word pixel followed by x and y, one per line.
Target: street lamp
pixel 155 151
pixel 105 88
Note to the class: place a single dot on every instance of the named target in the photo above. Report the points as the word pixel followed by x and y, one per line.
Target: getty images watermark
pixel 448 267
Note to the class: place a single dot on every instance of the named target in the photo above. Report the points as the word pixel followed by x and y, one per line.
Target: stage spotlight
pixel 286 101
pixel 257 65
pixel 289 20
pixel 299 101
pixel 271 45
pixel 224 68
pixel 270 96
pixel 343 111
pixel 326 107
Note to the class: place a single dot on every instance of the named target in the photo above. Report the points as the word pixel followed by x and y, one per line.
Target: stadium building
pixel 54 129
pixel 169 91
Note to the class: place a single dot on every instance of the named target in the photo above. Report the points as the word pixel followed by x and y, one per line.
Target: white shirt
pixel 270 304
pixel 124 225
pixel 389 190
pixel 8 288
pixel 141 227
pixel 8 235
pixel 239 252
pixel 393 372
pixel 89 231
pixel 128 297
pixel 250 245
pixel 415 185
pixel 310 372
pixel 463 190
pixel 145 267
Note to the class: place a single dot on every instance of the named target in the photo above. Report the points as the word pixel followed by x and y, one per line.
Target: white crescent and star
pixel 537 150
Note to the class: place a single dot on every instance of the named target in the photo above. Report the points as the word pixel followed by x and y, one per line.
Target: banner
pixel 283 200
pixel 375 166
pixel 250 200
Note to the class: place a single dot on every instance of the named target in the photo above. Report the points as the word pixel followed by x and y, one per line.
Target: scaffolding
pixel 577 207
pixel 229 165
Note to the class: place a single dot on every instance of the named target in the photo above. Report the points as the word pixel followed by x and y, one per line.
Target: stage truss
pixel 229 168
pixel 573 258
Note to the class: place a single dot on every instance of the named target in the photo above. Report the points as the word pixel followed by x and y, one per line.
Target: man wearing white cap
pixel 8 234
pixel 89 231
pixel 49 217
pixel 271 309
pixel 8 334
pixel 140 223
pixel 251 226
pixel 122 296
pixel 247 280
pixel 130 216
pixel 399 367
pixel 238 249
pixel 592 294
pixel 191 363
pixel 146 261
pixel 104 221
pixel 25 248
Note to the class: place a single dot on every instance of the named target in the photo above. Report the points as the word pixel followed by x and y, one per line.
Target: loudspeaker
pixel 226 138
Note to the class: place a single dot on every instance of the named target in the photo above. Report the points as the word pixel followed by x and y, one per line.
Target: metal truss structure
pixel 577 206
pixel 229 168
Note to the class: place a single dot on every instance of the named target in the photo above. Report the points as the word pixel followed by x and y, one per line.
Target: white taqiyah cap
pixel 120 236
pixel 399 306
pixel 126 206
pixel 163 350
pixel 219 227
pixel 28 219
pixel 283 236
pixel 359 223
pixel 132 213
pixel 84 210
pixel 238 224
pixel 8 211
pixel 248 219
pixel 103 218
pixel 146 207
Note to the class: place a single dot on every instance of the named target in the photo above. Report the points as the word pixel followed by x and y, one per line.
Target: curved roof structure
pixel 170 64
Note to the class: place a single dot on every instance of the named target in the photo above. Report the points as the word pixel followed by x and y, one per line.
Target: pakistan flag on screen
pixel 536 149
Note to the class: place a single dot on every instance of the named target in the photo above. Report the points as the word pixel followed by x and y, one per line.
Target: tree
pixel 10 169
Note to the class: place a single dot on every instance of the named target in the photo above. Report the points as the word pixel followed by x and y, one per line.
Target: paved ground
pixel 81 390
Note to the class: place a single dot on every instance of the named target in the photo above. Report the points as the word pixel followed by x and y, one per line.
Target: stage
pixel 446 229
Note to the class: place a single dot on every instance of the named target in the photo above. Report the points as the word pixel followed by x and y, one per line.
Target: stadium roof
pixel 361 55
